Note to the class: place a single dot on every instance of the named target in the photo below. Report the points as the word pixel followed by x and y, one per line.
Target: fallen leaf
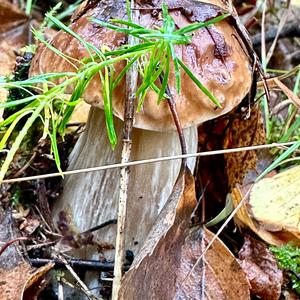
pixel 21 281
pixel 11 17
pixel 218 276
pixel 17 277
pixel 153 273
pixel 275 202
pixel 243 133
pixel 261 268
pixel 243 219
pixel 170 251
pixel 35 283
pixel 14 30
pixel 29 225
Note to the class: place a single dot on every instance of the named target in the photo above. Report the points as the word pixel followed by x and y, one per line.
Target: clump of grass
pixel 48 102
pixel 288 258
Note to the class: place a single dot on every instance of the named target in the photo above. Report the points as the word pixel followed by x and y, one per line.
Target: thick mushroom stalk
pixel 216 56
pixel 92 198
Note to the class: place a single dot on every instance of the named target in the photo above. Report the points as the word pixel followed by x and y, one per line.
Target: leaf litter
pixel 159 260
pixel 171 250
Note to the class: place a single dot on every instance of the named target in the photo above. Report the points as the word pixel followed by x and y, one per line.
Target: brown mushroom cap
pixel 216 56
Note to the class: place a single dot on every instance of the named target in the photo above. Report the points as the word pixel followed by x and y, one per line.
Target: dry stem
pixel 131 85
pixel 82 285
pixel 281 146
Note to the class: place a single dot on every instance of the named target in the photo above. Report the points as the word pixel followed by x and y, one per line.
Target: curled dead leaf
pixel 35 283
pixel 275 203
pixel 273 209
pixel 22 282
pixel 261 268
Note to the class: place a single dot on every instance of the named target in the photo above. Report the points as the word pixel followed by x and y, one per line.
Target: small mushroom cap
pixel 216 56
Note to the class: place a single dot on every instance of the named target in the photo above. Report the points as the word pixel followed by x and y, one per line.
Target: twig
pixel 64 281
pixel 60 295
pixel 172 106
pixel 79 281
pixel 24 168
pixel 131 86
pixel 44 204
pixel 12 242
pixel 280 26
pixel 290 30
pixel 102 225
pixel 151 160
pixel 78 264
pixel 262 39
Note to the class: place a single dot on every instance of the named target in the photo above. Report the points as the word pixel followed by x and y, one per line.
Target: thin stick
pixel 172 107
pixel 151 160
pixel 131 86
pixel 22 238
pixel 84 288
pixel 77 264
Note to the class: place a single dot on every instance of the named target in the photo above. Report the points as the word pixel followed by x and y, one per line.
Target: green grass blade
pixel 18 102
pixel 277 161
pixel 107 104
pixel 123 72
pixel 68 30
pixel 176 68
pixel 127 23
pixel 16 145
pixel 196 26
pixel 166 74
pixel 12 127
pixel 42 78
pixel 290 131
pixel 199 84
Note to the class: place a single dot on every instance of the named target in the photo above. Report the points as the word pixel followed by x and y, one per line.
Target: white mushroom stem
pixel 92 198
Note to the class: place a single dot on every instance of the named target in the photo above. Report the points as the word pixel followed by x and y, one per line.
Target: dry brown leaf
pixel 170 252
pixel 243 133
pixel 14 31
pixel 261 268
pixel 217 277
pixel 11 16
pixel 17 278
pixel 35 283
pixel 291 96
pixel 153 273
pixel 22 282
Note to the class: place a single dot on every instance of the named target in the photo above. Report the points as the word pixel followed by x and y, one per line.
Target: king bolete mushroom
pixel 216 56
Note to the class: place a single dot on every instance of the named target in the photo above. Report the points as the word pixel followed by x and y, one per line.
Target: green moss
pixel 288 258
